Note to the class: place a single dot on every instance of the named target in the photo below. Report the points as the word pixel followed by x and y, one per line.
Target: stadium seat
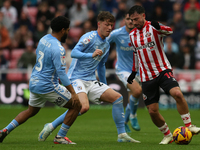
pixel 188 77
pixel 197 65
pixel 184 85
pixel 16 77
pixel 197 76
pixel 16 53
pixel 32 12
pixel 12 64
pixel 75 33
pixel 6 53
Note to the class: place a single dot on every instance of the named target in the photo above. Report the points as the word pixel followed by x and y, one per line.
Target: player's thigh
pixel 110 96
pixel 135 89
pixel 84 100
pixel 123 76
pixel 151 92
pixel 96 90
pixel 60 96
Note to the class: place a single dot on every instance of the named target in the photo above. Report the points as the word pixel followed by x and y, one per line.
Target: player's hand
pixel 131 77
pixel 97 52
pixel 155 24
pixel 74 97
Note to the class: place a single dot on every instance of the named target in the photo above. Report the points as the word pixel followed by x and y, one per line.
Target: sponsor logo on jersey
pixel 149 45
pixel 126 48
pixel 86 40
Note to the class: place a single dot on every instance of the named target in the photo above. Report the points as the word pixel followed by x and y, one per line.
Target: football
pixel 182 135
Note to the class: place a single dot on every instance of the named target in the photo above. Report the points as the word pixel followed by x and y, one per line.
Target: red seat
pixel 12 63
pixel 197 76
pixel 16 53
pixel 197 65
pixel 75 33
pixel 16 77
pixel 32 12
pixel 185 76
pixel 6 53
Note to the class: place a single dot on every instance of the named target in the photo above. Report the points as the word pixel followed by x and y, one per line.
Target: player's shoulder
pixel 117 31
pixel 88 37
pixel 133 31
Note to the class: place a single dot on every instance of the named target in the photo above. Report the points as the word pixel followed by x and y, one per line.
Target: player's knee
pixel 177 94
pixel 152 111
pixel 84 109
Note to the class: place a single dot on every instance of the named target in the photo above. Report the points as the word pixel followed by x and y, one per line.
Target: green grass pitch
pixel 94 130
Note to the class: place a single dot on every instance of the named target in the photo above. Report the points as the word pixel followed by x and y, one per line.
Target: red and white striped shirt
pixel 149 53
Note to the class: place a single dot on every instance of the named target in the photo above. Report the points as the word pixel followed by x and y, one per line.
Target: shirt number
pixel 40 61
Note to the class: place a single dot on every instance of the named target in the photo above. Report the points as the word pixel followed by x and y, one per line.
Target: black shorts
pixel 151 91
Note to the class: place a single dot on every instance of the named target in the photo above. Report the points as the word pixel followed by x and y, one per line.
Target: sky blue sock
pixel 13 124
pixel 127 113
pixel 118 115
pixel 63 130
pixel 133 104
pixel 60 119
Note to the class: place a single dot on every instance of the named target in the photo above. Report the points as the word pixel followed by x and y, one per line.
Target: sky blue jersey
pixel 83 66
pixel 124 50
pixel 50 66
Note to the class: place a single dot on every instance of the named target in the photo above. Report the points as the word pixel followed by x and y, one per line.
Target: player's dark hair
pixel 58 23
pixel 105 16
pixel 136 8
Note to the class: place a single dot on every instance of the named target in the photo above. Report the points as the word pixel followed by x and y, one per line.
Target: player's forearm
pixel 78 54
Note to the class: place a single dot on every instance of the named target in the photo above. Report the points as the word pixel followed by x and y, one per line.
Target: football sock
pixel 13 124
pixel 118 115
pixel 127 113
pixel 60 119
pixel 63 130
pixel 186 119
pixel 133 105
pixel 165 129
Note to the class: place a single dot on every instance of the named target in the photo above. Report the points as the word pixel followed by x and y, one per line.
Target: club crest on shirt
pixel 62 59
pixel 148 34
pixel 86 40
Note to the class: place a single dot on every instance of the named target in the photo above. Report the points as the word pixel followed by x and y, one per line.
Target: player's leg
pixel 170 86
pixel 116 99
pixel 151 97
pixel 135 92
pixel 127 114
pixel 32 110
pixel 183 109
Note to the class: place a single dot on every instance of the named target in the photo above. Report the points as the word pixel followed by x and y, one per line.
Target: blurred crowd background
pixel 24 22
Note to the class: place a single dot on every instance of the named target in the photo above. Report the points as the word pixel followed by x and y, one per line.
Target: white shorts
pixel 93 89
pixel 123 76
pixel 60 96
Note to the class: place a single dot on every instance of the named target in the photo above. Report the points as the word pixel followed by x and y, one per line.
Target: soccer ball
pixel 182 135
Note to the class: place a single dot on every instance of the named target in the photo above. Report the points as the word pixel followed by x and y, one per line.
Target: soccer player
pixel 124 68
pixel 155 70
pixel 44 85
pixel 89 54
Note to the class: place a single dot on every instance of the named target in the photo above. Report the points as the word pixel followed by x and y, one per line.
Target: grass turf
pixel 95 130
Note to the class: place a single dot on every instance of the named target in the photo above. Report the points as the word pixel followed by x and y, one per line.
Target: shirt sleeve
pixel 164 30
pixel 78 51
pixel 101 69
pixel 59 62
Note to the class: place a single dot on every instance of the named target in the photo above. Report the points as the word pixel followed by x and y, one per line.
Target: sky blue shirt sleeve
pixel 101 69
pixel 77 51
pixel 59 61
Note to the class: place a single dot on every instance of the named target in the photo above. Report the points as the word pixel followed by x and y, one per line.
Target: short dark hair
pixel 60 22
pixel 136 8
pixel 105 15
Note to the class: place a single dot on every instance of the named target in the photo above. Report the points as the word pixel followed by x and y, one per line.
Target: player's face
pixel 104 28
pixel 64 37
pixel 128 22
pixel 138 20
